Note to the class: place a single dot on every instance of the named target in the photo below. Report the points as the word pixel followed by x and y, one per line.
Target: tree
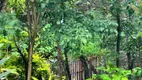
pixel 118 31
pixel 32 34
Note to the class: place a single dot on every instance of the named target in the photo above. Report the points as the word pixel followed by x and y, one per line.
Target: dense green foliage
pixel 56 32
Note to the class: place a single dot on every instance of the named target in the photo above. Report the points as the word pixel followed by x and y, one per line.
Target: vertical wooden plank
pixel 77 69
pixel 74 71
pixel 82 71
pixel 72 66
pixel 80 74
pixel 71 70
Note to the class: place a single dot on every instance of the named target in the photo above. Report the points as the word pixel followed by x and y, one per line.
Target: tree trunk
pixel 66 64
pixel 132 61
pixel 118 34
pixel 129 61
pixel 30 62
pixel 23 58
pixel 60 69
pixel 92 67
pixel 1 4
pixel 29 44
pixel 85 66
pixel 32 35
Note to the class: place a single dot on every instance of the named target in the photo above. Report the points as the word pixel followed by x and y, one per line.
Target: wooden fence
pixel 76 70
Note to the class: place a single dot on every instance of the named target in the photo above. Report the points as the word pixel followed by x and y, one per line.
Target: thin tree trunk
pixel 1 4
pixel 60 69
pixel 29 44
pixel 118 41
pixel 92 67
pixel 118 34
pixel 30 62
pixel 32 35
pixel 66 64
pixel 129 61
pixel 85 66
pixel 132 61
pixel 23 58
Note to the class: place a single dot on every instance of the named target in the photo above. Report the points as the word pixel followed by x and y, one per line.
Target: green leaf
pixel 105 77
pixel 4 74
pixel 34 78
pixel 125 78
pixel 83 40
pixel 43 5
pixel 1 45
pixel 94 76
pixel 13 71
pixel 4 60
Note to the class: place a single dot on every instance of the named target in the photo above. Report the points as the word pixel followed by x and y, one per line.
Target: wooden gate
pixel 76 70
